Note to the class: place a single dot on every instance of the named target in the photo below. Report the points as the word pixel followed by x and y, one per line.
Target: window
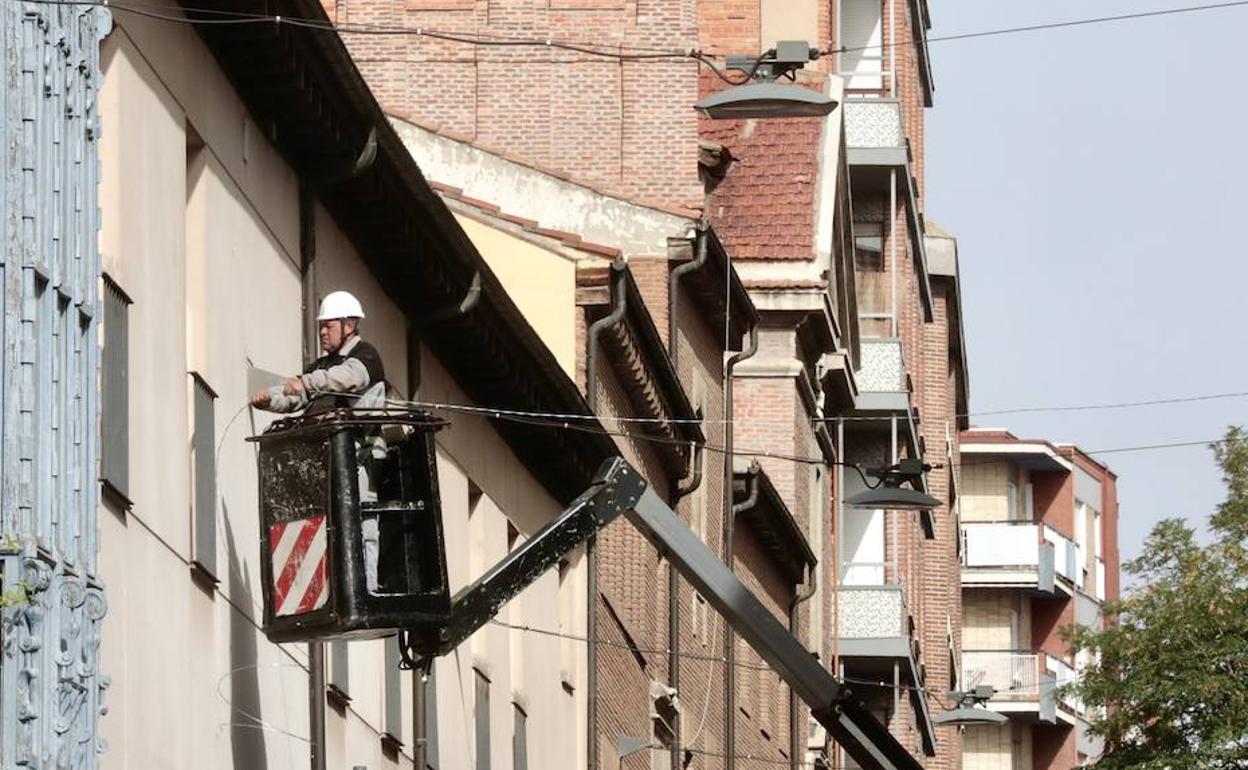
pixel 340 671
pixel 114 387
pixel 567 626
pixel 203 478
pixel 393 716
pixel 520 739
pixel 662 733
pixel 874 289
pixel 481 712
pixel 861 34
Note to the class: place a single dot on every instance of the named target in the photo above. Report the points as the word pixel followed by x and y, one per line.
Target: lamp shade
pixel 966 715
pixel 894 498
pixel 766 100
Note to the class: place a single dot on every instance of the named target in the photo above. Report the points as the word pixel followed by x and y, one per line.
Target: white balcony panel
pixel 1002 545
pixel 1067 554
pixel 1064 674
pixel 871 613
pixel 882 369
pixel 872 123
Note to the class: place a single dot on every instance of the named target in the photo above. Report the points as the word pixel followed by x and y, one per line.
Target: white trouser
pixel 369 452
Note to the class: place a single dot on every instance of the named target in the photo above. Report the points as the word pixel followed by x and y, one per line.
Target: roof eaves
pixel 303 87
pixel 772 520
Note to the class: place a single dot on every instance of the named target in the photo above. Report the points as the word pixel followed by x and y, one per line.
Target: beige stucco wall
pixel 984 490
pixel 987 747
pixel 540 282
pixel 210 259
pixel 988 618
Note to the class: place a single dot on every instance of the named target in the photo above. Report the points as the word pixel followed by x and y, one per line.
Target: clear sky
pixel 1096 180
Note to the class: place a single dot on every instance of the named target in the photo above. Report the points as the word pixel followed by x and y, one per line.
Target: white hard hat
pixel 339 304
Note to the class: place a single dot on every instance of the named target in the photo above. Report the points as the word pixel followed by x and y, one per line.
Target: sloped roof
pixel 764 207
pixel 303 89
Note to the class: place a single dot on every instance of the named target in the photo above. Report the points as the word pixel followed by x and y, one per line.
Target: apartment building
pixel 859 356
pixel 1040 553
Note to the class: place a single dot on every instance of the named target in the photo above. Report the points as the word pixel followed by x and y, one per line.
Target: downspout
pixel 795 747
pixel 618 306
pixel 677 273
pixel 420 708
pixel 316 650
pixel 682 490
pixel 730 512
pixel 673 599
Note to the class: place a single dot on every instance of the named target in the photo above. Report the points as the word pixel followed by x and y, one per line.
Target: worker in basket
pixel 349 375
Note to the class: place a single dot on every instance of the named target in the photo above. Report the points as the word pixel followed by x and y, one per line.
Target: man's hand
pixel 293 387
pixel 260 399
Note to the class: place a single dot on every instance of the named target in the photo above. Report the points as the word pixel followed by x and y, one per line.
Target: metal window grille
pixel 114 386
pixel 481 712
pixel 393 726
pixel 339 669
pixel 203 476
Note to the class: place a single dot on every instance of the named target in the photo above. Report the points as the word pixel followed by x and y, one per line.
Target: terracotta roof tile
pixel 764 208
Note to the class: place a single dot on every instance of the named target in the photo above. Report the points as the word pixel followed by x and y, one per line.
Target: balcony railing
pixel 1014 674
pixel 872 123
pixel 882 369
pixel 872 612
pixel 1006 553
pixel 1064 674
pixel 1066 553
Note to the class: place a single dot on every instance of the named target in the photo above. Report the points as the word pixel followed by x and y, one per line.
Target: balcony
pixel 1066 560
pixel 1070 707
pixel 872 126
pixel 1007 554
pixel 873 613
pixel 883 385
pixel 877 152
pixel 877 641
pixel 1025 689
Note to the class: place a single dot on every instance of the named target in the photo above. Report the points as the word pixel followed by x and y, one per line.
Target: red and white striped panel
pixel 300 566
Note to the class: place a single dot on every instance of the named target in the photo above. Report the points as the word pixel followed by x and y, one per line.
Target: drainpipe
pixel 316 650
pixel 618 306
pixel 682 490
pixel 730 697
pixel 673 599
pixel 420 705
pixel 795 747
pixel 673 284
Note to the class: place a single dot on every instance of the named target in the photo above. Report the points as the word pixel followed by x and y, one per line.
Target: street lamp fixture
pixel 889 493
pixel 760 96
pixel 970 709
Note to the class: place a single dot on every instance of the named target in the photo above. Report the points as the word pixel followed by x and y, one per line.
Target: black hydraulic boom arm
pixel 619 488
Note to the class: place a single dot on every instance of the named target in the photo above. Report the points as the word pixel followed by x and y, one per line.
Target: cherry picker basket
pixel 351 540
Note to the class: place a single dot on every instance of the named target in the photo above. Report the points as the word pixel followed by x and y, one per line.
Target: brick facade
pixel 629 128
pixel 624 125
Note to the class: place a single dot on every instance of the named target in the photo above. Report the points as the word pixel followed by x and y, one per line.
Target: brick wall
pixel 625 125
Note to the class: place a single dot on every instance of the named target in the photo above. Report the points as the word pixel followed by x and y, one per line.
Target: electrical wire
pixel 1050 25
pixel 641 52
pixel 720 660
pixel 589 418
pixel 637 53
pixel 561 421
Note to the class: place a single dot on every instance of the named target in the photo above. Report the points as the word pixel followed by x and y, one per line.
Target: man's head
pixel 338 320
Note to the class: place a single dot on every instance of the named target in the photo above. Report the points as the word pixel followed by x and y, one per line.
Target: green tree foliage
pixel 1170 668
